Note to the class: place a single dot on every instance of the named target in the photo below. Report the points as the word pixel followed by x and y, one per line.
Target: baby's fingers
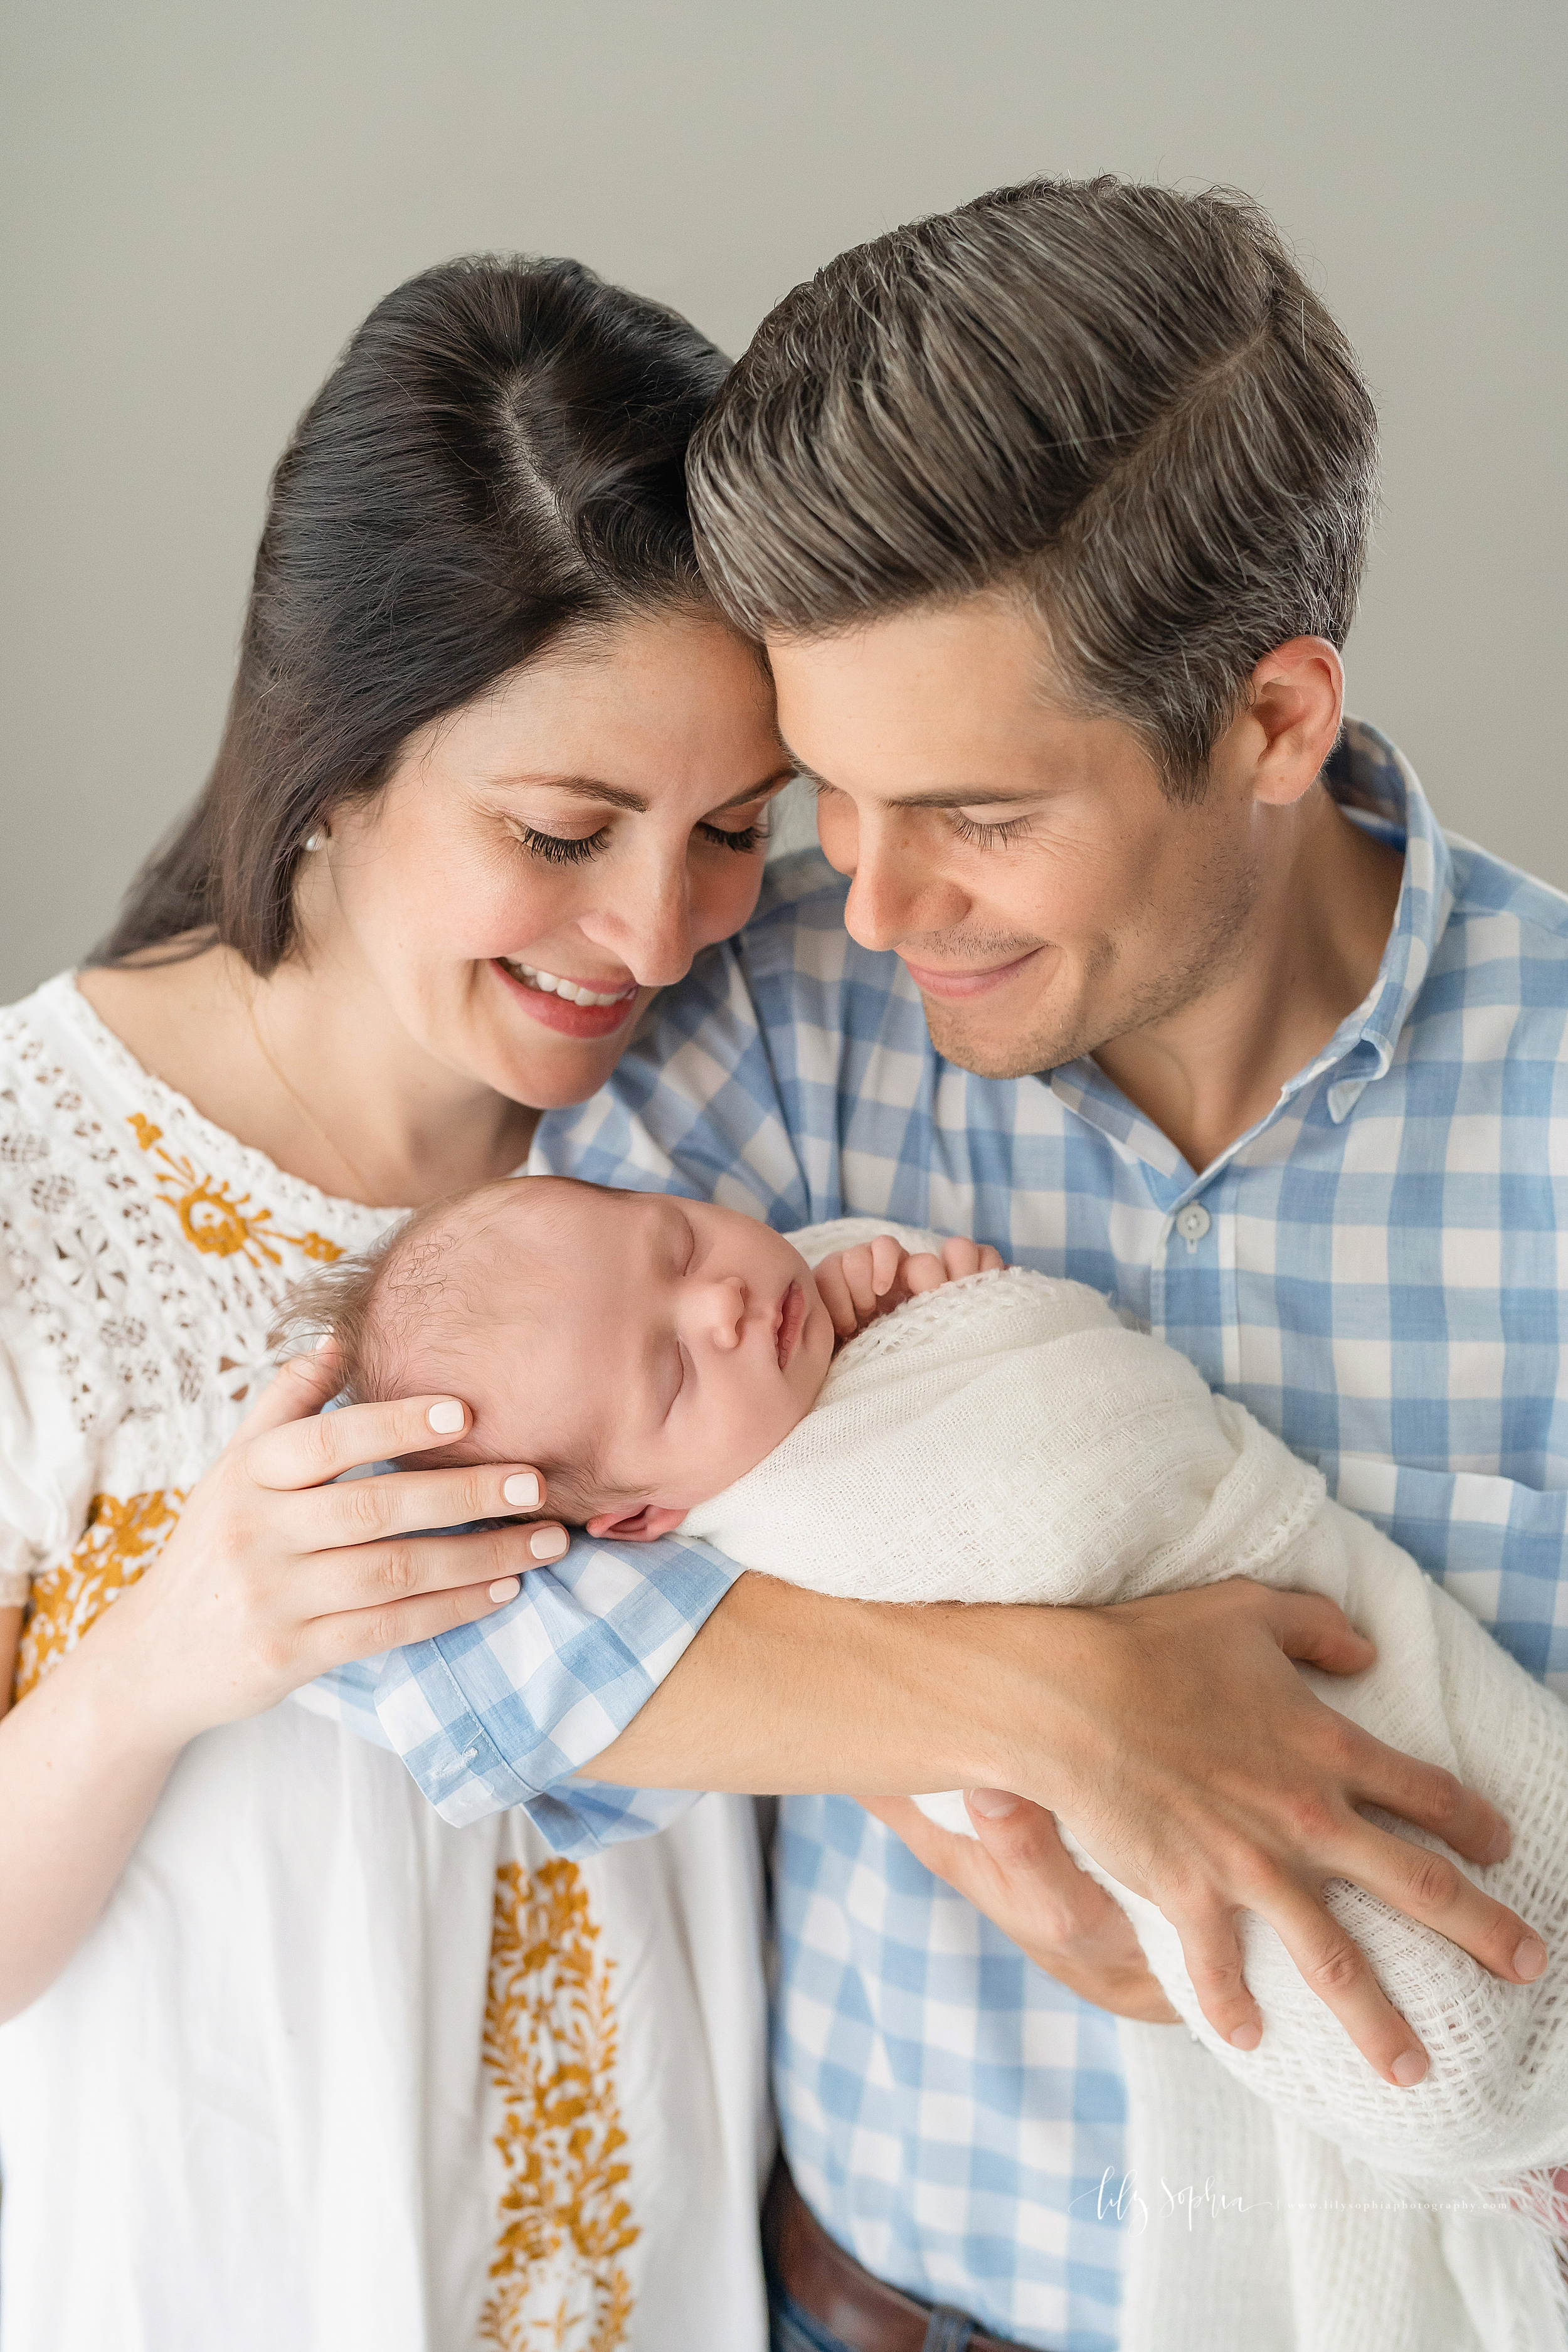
pixel 860 1278
pixel 887 1256
pixel 960 1258
pixel 833 1290
pixel 923 1272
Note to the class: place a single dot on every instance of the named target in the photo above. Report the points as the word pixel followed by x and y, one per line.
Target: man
pixel 1051 513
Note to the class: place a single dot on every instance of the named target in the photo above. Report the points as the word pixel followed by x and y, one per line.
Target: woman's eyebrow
pixel 593 788
pixel 582 788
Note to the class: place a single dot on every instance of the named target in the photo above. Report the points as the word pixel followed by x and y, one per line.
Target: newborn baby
pixel 668 1363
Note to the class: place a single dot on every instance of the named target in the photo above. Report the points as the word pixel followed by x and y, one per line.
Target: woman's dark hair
pixel 496 462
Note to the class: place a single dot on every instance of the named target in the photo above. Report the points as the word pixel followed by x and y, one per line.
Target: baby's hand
pixel 859 1284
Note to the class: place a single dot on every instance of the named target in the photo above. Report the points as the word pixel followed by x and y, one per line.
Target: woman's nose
pixel 648 925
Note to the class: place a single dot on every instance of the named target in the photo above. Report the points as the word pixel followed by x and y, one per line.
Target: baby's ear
pixel 646 1526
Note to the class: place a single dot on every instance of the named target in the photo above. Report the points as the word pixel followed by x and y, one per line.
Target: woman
pixel 492 773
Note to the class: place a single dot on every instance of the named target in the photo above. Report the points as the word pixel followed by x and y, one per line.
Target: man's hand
pixel 1173 1737
pixel 1229 1787
pixel 1023 1879
pixel 858 1285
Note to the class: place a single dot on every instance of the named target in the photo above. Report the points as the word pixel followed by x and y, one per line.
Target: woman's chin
pixel 554 1072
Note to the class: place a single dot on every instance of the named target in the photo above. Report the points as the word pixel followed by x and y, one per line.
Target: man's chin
pixel 992 1049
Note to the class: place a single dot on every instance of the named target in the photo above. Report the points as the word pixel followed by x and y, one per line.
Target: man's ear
pixel 654 1520
pixel 1297 702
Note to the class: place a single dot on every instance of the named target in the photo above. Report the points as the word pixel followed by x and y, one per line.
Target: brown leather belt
pixel 831 2287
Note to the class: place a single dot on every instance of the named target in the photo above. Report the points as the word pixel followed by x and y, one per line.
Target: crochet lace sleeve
pixel 25 1515
pixel 42 1448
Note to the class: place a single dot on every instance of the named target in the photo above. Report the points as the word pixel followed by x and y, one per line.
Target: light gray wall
pixel 204 197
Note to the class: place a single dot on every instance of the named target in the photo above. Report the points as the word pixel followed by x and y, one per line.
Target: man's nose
pixel 895 893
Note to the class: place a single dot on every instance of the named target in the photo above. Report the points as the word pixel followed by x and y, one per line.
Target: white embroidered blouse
pixel 328 2070
pixel 145 1254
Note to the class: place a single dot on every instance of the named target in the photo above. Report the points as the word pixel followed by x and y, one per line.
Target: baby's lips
pixel 792 1317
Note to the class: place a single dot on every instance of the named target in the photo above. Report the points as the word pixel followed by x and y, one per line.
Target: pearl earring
pixel 313 840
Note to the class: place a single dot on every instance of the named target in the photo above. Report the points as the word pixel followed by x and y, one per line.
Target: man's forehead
pixel 937 709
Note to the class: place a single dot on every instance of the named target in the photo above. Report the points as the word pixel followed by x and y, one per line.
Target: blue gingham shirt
pixel 1374 1269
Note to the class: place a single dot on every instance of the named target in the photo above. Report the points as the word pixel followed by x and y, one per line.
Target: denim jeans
pixel 795 2330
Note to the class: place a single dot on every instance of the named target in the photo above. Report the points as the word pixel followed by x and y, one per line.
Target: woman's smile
pixel 574 1008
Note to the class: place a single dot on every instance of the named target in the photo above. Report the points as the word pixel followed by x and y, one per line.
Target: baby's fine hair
pixel 389 1310
pixel 368 1303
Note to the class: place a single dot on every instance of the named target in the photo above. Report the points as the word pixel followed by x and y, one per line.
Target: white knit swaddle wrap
pixel 1008 1439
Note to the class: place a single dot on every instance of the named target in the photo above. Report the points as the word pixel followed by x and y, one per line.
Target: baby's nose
pixel 725 1310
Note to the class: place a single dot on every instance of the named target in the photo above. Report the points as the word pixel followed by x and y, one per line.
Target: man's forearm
pixel 787 1690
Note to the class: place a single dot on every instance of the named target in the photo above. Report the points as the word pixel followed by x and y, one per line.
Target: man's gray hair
pixel 1122 404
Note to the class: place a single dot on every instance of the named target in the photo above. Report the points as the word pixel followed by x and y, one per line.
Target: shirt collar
pixel 1373 783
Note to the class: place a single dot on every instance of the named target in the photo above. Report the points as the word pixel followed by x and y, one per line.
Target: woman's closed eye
pixel 570 849
pixel 560 848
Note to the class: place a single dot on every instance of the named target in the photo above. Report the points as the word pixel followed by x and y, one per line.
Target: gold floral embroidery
pixel 121 1537
pixel 214 1219
pixel 550 2047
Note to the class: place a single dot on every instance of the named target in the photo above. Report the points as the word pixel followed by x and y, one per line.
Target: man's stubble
pixel 1126 982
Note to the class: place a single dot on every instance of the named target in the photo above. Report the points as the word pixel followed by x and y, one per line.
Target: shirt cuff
pixel 506 1711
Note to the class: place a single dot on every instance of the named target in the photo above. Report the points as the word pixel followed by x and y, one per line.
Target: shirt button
pixel 1193 1223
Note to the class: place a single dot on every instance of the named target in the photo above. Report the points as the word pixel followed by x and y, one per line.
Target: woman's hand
pixel 274 1572
pixel 1016 1870
pixel 858 1285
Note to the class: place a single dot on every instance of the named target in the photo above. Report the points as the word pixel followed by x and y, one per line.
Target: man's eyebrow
pixel 943 796
pixel 593 788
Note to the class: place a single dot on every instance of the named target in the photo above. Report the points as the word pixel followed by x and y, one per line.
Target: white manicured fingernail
pixel 1529 1958
pixel 506 1588
pixel 1409 2068
pixel 446 1418
pixel 1245 2037
pixel 992 1804
pixel 549 1543
pixel 521 1488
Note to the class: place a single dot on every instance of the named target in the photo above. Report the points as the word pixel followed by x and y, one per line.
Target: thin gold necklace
pixel 303 1108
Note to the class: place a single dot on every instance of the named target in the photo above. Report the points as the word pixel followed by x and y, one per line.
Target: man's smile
pixel 946 982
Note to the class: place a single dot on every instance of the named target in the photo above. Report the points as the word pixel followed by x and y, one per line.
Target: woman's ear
pixel 654 1520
